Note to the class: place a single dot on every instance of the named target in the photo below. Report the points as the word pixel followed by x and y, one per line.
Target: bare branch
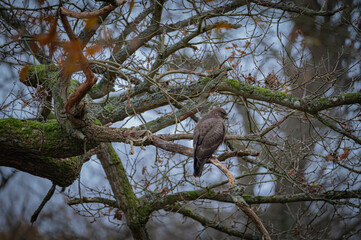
pixel 337 129
pixel 236 192
pixel 289 7
pixel 220 166
pixel 93 14
pixel 177 208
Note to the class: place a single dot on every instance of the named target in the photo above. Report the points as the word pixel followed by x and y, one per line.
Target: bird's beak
pixel 226 116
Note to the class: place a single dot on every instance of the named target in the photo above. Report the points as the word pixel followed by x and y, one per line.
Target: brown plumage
pixel 209 133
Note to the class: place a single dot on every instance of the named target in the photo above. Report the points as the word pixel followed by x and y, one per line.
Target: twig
pixel 337 129
pixel 42 204
pixel 276 124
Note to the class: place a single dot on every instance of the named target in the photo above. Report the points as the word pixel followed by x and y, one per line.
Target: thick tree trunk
pixel 139 232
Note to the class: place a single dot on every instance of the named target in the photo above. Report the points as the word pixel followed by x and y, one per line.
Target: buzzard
pixel 209 133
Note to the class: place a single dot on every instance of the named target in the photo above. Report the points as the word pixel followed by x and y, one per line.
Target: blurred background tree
pixel 77 76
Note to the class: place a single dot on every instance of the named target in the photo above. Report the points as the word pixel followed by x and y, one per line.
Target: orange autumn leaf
pixel 329 157
pixel 223 25
pixel 72 50
pixel 231 57
pixel 240 51
pixel 291 172
pixel 115 48
pixel 51 36
pixel 23 73
pixel 346 152
pixel 110 210
pixel 131 5
pixel 19 35
pixel 90 22
pixel 46 38
pixel 247 44
pixel 92 50
pixel 332 157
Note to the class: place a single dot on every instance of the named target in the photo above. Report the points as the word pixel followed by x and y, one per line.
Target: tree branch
pixel 182 44
pixel 105 10
pixel 177 208
pixel 236 194
pixel 29 45
pixel 250 137
pixel 290 7
pixel 337 129
pixel 106 83
pixel 144 36
pixel 249 199
pixel 106 201
pixel 240 88
pixel 85 87
pixel 123 191
pixel 38 149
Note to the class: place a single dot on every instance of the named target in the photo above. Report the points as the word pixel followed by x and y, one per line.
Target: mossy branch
pixel 38 148
pixel 243 89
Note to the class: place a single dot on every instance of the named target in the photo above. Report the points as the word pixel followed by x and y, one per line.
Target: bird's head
pixel 220 112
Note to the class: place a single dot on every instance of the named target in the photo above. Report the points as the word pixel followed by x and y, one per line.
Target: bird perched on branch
pixel 209 133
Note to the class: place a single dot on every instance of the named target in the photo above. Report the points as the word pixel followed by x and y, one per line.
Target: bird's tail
pixel 198 167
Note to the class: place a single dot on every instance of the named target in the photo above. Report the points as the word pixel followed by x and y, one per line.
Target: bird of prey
pixel 209 133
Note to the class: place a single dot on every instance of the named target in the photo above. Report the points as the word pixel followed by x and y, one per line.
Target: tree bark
pixel 123 192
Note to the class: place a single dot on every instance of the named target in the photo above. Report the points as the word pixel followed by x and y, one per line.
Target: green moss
pixel 48 74
pixel 261 92
pixel 73 86
pixel 126 188
pixel 192 194
pixel 206 79
pixel 62 166
pixel 144 210
pixel 321 101
pixel 50 129
pixel 355 96
pixel 114 158
pixel 109 108
pixel 9 124
pixel 38 71
pixel 43 73
pixel 234 83
pixel 96 121
pixel 187 211
pixel 212 193
pixel 246 196
pixel 39 133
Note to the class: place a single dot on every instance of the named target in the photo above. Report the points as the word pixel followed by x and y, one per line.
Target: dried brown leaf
pixel 23 73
